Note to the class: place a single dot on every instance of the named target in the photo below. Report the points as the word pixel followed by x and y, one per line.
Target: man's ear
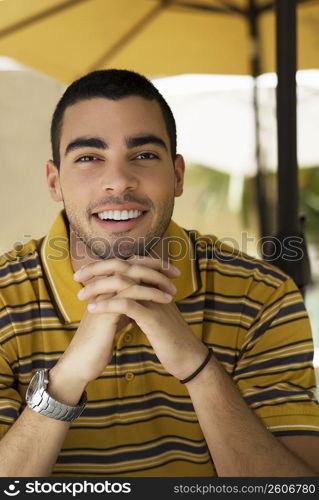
pixel 179 175
pixel 53 180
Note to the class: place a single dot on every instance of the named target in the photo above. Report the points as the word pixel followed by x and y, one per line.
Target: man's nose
pixel 118 177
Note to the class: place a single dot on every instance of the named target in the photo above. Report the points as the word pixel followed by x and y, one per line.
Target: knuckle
pixel 127 302
pixel 134 268
pixel 119 281
pixel 120 265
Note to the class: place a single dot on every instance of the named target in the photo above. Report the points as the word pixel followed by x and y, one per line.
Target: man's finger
pixel 113 266
pixel 134 293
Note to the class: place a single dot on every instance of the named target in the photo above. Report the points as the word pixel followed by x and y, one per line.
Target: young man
pixel 165 354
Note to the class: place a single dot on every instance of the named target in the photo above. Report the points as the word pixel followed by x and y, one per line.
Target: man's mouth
pixel 121 220
pixel 119 215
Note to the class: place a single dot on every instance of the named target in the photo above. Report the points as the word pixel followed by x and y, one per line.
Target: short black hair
pixel 111 84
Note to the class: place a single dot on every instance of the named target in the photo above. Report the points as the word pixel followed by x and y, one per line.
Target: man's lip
pixel 120 208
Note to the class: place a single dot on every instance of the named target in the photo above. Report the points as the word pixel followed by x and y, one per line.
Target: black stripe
pixel 249 277
pixel 227 296
pixel 302 368
pixel 224 323
pixel 108 400
pixel 140 420
pixel 289 401
pixel 143 357
pixel 27 316
pixel 6 375
pixel 225 358
pixel 35 364
pixel 140 443
pixel 37 353
pixel 133 455
pixel 12 399
pixel 125 408
pixel 287 383
pixel 19 266
pixel 134 358
pixel 9 412
pixel 251 356
pixel 36 302
pixel 44 330
pixel 19 282
pixel 294 433
pixel 215 305
pixel 233 260
pixel 295 358
pixel 274 394
pixel 70 472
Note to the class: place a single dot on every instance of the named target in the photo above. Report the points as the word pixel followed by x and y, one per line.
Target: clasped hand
pixel 140 289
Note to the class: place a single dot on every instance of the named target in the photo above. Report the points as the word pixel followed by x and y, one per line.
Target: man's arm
pixel 31 446
pixel 238 441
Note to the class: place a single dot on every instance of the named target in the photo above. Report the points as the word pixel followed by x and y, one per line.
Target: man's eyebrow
pixel 83 142
pixel 141 140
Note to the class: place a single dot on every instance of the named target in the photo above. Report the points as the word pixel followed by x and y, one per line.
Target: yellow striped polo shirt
pixel 139 420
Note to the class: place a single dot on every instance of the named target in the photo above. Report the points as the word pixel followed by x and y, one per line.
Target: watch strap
pixel 43 403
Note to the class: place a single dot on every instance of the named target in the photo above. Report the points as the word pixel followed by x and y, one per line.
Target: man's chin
pixel 116 252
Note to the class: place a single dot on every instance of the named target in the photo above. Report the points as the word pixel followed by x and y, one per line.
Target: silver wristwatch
pixel 39 400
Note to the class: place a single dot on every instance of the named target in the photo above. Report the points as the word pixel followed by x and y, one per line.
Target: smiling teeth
pixel 119 214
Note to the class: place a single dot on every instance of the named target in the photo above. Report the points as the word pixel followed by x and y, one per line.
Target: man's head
pixel 113 84
pixel 114 162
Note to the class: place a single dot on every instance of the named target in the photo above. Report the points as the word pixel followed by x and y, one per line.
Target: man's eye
pixel 87 159
pixel 146 156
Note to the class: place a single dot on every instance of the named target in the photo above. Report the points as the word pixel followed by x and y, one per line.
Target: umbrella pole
pixel 291 250
pixel 260 179
pixel 286 116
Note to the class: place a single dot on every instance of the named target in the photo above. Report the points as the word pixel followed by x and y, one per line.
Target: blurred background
pixel 215 63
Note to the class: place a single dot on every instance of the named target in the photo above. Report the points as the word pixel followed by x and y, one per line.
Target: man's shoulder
pixel 20 265
pixel 224 256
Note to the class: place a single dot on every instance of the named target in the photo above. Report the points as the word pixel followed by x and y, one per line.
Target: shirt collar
pixel 55 256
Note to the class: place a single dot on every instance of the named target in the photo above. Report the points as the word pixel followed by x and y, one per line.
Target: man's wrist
pixel 65 387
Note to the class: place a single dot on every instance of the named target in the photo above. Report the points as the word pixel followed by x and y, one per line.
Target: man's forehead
pixel 89 116
pixel 101 104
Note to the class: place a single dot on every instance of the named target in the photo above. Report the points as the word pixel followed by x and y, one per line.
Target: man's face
pixel 117 178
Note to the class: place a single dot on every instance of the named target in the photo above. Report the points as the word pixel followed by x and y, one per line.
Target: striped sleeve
pixel 10 399
pixel 274 370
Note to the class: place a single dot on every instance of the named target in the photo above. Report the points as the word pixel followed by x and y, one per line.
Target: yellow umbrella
pixel 67 38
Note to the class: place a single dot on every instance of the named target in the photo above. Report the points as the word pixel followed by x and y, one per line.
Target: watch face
pixel 33 386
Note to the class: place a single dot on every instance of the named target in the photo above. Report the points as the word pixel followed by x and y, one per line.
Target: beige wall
pixel 27 100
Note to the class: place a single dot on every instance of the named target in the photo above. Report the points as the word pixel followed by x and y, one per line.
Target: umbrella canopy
pixel 68 38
